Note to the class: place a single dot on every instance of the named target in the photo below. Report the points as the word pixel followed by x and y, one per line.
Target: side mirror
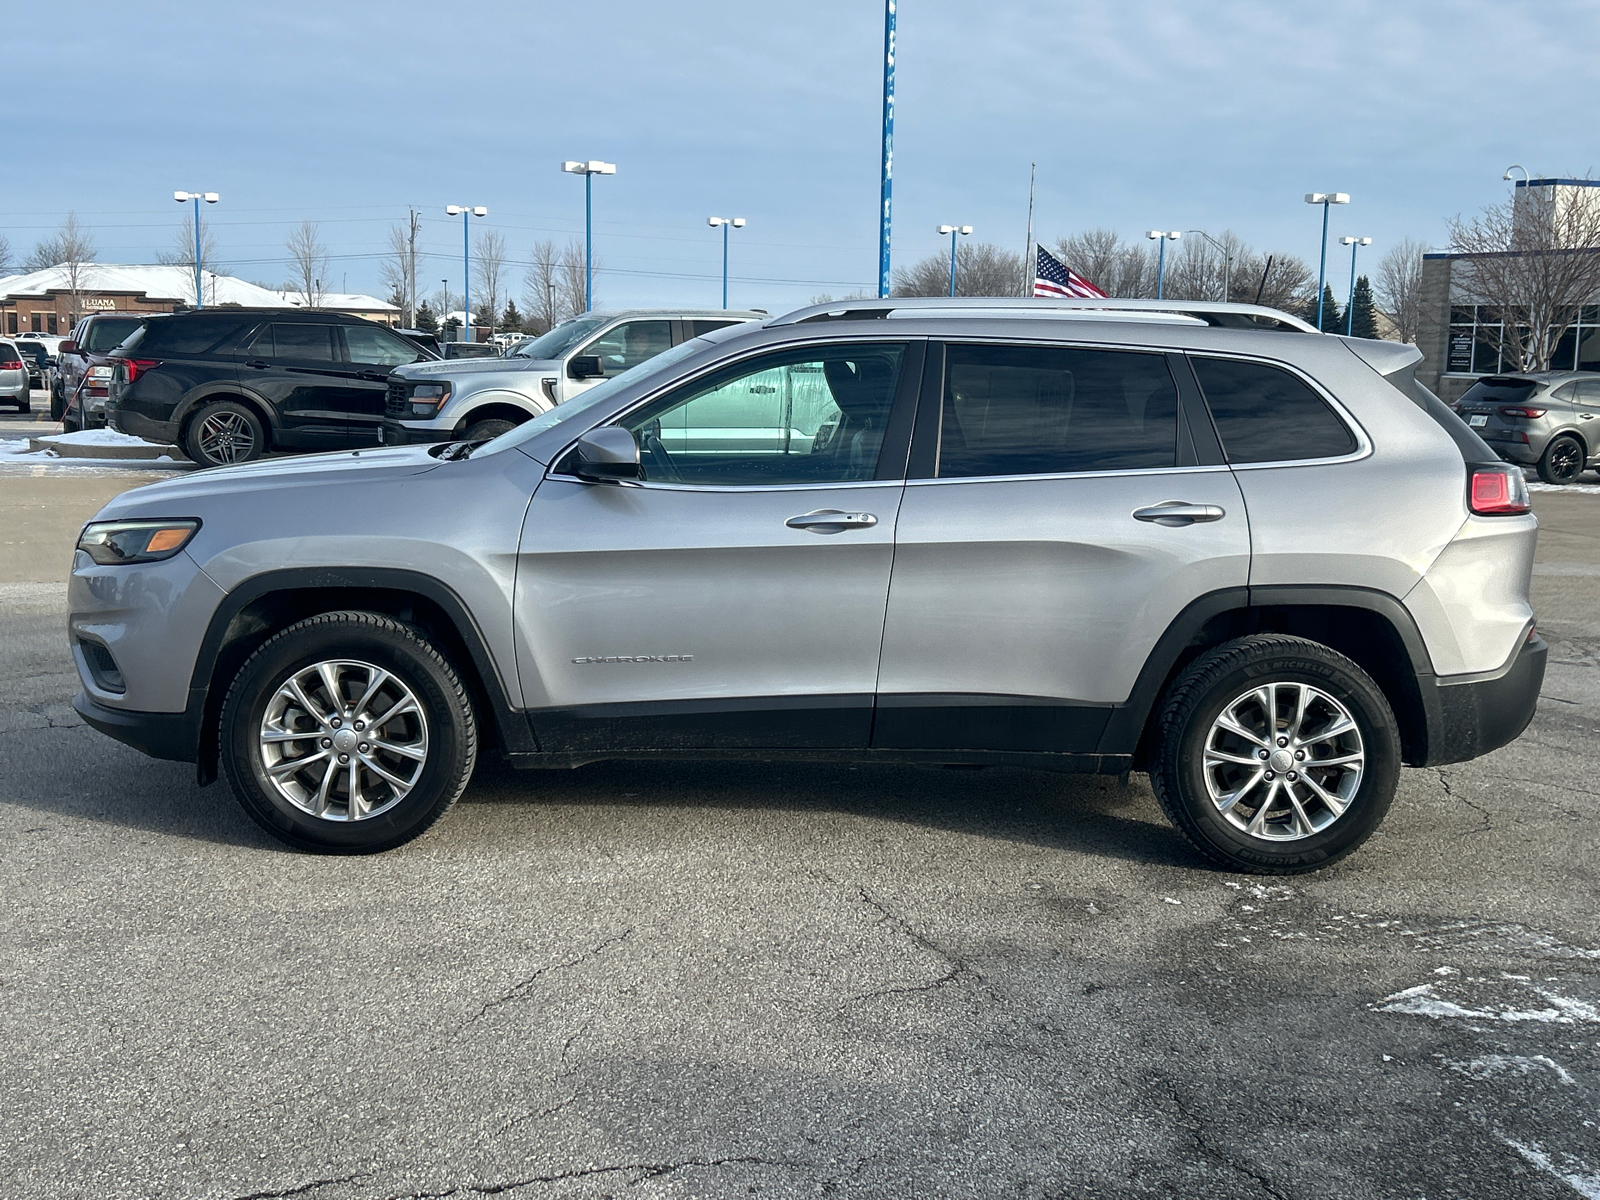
pixel 67 347
pixel 585 366
pixel 605 455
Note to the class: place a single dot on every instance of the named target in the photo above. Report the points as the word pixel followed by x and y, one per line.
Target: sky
pixel 1180 114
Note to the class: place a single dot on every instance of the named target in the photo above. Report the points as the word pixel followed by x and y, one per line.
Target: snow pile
pixel 99 437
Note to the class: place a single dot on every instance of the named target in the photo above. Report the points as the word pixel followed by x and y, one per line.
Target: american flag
pixel 1052 277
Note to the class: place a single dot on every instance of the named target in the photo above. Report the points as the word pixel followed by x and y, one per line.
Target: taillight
pixel 1498 492
pixel 11 364
pixel 1528 413
pixel 132 367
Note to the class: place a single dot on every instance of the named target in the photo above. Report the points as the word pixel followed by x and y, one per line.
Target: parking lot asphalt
pixel 713 980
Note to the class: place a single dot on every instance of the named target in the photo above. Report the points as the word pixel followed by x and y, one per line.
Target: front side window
pixel 1265 414
pixel 368 344
pixel 813 415
pixel 630 344
pixel 1044 410
pixel 307 343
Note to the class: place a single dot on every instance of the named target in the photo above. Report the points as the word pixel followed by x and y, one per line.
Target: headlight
pixel 428 398
pixel 112 542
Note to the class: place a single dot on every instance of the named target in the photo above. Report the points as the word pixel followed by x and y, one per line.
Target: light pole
pixel 952 230
pixel 1227 260
pixel 209 198
pixel 588 170
pixel 726 223
pixel 444 305
pixel 1517 167
pixel 466 264
pixel 886 191
pixel 1161 237
pixel 1324 199
pixel 1354 243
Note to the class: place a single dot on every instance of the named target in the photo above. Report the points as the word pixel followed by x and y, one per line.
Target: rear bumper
pixel 1482 713
pixel 397 433
pixel 127 421
pixel 161 735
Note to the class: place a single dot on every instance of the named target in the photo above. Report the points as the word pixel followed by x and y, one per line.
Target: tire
pixel 1198 791
pixel 58 404
pixel 310 808
pixel 482 431
pixel 224 433
pixel 70 424
pixel 25 406
pixel 1562 460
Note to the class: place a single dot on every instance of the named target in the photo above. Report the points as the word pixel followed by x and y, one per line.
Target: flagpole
pixel 1027 255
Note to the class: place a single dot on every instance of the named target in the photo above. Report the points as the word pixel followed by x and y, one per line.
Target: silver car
pixel 482 398
pixel 14 378
pixel 1262 565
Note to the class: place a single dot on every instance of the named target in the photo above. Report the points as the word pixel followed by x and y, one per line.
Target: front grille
pixel 395 402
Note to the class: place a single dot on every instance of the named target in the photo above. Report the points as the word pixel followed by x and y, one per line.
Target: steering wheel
pixel 661 464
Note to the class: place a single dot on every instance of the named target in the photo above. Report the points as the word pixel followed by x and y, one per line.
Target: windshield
pixel 596 395
pixel 104 335
pixel 560 339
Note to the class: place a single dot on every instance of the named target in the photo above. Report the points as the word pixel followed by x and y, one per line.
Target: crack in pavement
pixel 304 1187
pixel 520 989
pixel 1450 794
pixel 556 1076
pixel 649 1170
pixel 1196 1132
pixel 959 966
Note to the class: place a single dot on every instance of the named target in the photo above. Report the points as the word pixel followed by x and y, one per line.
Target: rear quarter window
pixel 1266 414
pixel 185 337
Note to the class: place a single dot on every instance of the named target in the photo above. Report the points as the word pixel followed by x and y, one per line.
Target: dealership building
pixel 1459 334
pixel 51 301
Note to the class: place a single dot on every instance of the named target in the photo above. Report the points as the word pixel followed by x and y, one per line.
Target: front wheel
pixel 347 733
pixel 224 432
pixel 1276 755
pixel 1562 461
pixel 58 403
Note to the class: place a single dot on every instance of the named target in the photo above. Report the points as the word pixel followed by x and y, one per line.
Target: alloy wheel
pixel 343 740
pixel 226 437
pixel 1283 761
pixel 1566 461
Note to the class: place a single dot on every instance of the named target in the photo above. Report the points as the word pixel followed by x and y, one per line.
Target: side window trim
pixel 1198 442
pixel 1343 414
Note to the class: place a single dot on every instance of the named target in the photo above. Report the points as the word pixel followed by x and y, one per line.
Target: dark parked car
pixel 92 338
pixel 226 385
pixel 1550 421
pixel 37 359
pixel 468 350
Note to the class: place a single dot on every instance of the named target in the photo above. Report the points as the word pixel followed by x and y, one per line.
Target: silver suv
pixel 477 399
pixel 1264 566
pixel 1550 421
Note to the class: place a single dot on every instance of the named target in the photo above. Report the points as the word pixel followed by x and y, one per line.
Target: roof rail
pixel 1211 312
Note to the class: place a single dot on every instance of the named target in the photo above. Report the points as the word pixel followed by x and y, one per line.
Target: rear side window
pixel 186 336
pixel 1041 410
pixel 1265 414
pixel 305 342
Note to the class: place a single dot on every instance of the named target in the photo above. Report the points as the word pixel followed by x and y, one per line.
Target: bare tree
pixel 1281 281
pixel 182 252
pixel 70 247
pixel 1537 259
pixel 1127 271
pixel 308 264
pixel 1400 287
pixel 490 256
pixel 572 279
pixel 399 269
pixel 540 284
pixel 5 255
pixel 982 269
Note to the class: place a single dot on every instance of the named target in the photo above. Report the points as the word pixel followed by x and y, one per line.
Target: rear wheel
pixel 482 431
pixel 222 433
pixel 347 733
pixel 1276 755
pixel 1562 461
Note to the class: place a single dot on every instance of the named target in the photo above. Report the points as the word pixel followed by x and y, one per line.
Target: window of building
pixel 11 321
pixel 1265 414
pixel 38 322
pixel 1045 410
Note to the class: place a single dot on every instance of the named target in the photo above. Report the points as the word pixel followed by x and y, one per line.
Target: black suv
pixel 228 384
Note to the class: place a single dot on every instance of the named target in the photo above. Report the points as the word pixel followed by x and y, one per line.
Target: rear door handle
pixel 257 364
pixel 831 520
pixel 1176 512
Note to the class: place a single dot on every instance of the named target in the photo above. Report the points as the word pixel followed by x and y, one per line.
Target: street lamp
pixel 726 223
pixel 588 170
pixel 1324 199
pixel 209 198
pixel 466 264
pixel 1227 260
pixel 1526 178
pixel 1354 243
pixel 952 230
pixel 1162 237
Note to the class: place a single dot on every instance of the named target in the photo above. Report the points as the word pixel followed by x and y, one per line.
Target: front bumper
pixel 174 736
pixel 1473 716
pixel 398 433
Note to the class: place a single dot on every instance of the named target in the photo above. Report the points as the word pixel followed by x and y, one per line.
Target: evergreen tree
pixel 512 321
pixel 427 320
pixel 451 324
pixel 1363 314
pixel 1332 314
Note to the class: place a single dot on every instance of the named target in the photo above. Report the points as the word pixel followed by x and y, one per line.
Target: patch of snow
pixel 1491 1065
pixel 14 446
pixel 1586 1185
pixel 1421 1001
pixel 1586 489
pixel 1170 900
pixel 99 437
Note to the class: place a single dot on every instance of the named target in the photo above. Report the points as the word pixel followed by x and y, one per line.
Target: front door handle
pixel 372 376
pixel 258 364
pixel 831 520
pixel 1176 512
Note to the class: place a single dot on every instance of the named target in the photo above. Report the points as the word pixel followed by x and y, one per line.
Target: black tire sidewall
pixel 1183 762
pixel 191 434
pixel 1547 472
pixel 473 432
pixel 450 737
